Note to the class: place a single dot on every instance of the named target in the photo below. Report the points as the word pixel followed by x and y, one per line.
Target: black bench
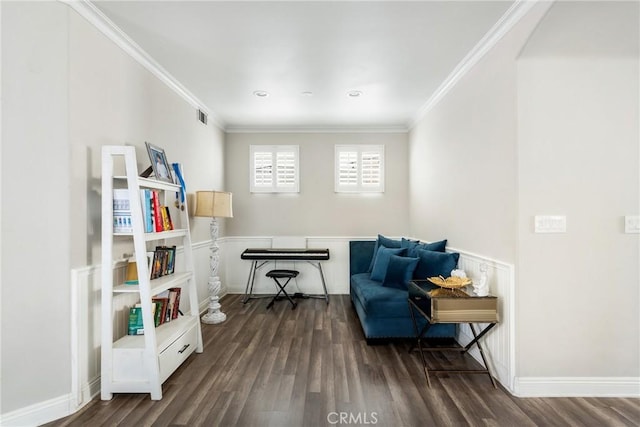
pixel 282 274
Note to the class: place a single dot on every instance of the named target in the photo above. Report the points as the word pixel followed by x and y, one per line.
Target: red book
pixel 174 301
pixel 157 216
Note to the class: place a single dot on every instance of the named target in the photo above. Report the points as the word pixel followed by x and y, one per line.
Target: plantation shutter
pixel 286 168
pixel 359 168
pixel 347 168
pixel 274 169
pixel 263 169
pixel 371 168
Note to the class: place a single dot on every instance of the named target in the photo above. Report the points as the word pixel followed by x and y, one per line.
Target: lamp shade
pixel 214 204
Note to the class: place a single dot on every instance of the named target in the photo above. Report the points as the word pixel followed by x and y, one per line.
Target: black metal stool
pixel 282 274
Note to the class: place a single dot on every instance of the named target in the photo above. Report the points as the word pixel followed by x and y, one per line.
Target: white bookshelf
pixel 141 363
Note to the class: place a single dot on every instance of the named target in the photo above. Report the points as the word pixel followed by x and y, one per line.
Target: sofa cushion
pixel 361 253
pixel 381 261
pixel 434 263
pixel 412 246
pixel 387 243
pixel 400 271
pixel 409 245
pixel 378 300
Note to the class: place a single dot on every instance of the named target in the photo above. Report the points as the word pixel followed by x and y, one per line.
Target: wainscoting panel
pixel 86 324
pixel 499 342
pixel 336 269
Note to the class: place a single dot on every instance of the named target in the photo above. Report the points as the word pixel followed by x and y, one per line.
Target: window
pixel 274 169
pixel 359 168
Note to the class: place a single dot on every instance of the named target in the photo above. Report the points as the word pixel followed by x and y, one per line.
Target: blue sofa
pixel 381 305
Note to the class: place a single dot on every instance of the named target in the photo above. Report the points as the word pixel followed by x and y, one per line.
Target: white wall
pixel 35 177
pixel 463 156
pixel 114 100
pixel 578 155
pixel 317 210
pixel 67 90
pixel 551 129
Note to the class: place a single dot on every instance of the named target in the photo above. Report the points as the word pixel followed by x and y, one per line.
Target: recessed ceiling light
pixel 354 93
pixel 306 93
pixel 261 93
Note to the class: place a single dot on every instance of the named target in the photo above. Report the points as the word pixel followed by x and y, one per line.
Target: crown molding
pixel 316 129
pixel 95 17
pixel 510 18
pixel 99 20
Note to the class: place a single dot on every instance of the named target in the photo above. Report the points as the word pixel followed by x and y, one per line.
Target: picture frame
pixel 159 163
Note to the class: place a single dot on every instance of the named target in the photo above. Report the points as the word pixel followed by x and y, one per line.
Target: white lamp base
pixel 214 315
pixel 214 318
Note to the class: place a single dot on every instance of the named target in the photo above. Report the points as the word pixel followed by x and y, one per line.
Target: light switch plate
pixel 550 224
pixel 632 224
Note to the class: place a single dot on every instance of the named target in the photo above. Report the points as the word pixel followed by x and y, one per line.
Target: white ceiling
pixel 396 53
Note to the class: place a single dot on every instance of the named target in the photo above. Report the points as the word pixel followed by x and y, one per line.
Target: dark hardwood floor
pixel 312 367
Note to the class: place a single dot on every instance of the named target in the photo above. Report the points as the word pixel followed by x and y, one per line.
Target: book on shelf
pixel 121 211
pixel 163 261
pixel 171 258
pixel 174 299
pixel 170 220
pixel 165 307
pixel 131 275
pixel 136 325
pixel 146 204
pixel 166 310
pixel 121 200
pixel 122 222
pixel 167 224
pixel 156 265
pixel 161 309
pixel 155 216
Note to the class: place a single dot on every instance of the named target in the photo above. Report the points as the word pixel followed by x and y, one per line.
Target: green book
pixel 136 326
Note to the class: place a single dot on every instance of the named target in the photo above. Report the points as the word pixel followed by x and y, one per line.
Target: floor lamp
pixel 214 205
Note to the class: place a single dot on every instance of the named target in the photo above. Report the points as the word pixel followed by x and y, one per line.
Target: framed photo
pixel 159 163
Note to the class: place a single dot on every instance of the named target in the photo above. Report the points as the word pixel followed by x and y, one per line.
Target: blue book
pixel 145 199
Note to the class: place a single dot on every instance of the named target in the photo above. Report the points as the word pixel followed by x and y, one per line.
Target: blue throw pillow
pixel 400 271
pixel 381 262
pixel 409 245
pixel 434 263
pixel 387 243
pixel 434 246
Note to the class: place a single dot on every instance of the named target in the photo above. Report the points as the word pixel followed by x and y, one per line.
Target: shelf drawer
pixel 177 352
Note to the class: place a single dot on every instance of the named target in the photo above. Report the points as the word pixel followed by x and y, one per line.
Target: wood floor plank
pixel 312 367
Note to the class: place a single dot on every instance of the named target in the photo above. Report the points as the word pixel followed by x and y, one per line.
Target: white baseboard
pixel 39 413
pixel 577 386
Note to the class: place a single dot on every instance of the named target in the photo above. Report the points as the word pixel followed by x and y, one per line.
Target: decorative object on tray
pixel 450 282
pixel 481 287
pixel 458 273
